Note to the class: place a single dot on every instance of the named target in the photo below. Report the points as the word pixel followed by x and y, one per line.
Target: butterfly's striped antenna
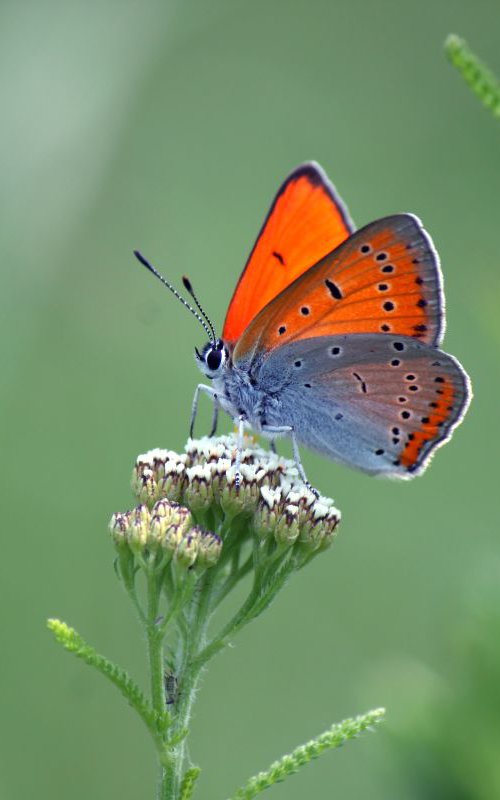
pixel 209 331
pixel 189 288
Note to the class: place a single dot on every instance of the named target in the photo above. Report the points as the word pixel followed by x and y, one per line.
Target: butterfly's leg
pixel 272 446
pixel 239 448
pixel 298 463
pixel 194 408
pixel 215 416
pixel 284 430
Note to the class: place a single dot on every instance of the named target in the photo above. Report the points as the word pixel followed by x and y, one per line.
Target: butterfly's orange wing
pixel 384 279
pixel 306 221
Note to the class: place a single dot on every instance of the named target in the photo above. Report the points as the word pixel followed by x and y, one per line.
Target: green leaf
pixel 177 738
pixel 291 763
pixel 71 640
pixel 188 783
pixel 481 80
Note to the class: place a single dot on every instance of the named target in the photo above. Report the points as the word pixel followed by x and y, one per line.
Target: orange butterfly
pixel 331 337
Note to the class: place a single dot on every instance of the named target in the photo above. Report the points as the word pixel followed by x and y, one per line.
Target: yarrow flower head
pixel 270 499
pixel 210 515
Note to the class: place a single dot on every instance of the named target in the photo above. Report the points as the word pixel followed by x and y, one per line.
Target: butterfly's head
pixel 213 358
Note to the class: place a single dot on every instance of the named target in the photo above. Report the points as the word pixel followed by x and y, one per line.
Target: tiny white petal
pixel 270 496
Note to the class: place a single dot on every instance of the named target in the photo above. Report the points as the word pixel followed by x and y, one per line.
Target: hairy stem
pixel 190 642
pixel 155 642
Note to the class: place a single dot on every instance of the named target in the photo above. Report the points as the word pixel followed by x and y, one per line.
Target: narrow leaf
pixel 287 765
pixel 481 80
pixel 74 643
pixel 188 783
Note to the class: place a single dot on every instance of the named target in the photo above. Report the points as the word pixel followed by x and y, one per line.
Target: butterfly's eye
pixel 213 359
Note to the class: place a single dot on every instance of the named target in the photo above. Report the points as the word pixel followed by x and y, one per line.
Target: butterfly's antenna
pixel 146 263
pixel 187 285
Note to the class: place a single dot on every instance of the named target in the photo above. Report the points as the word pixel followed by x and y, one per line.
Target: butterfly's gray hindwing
pixel 371 401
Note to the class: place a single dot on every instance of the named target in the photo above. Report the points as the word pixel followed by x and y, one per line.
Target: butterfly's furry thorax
pixel 241 394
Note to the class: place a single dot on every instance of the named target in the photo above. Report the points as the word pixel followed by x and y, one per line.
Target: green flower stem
pixel 154 639
pixel 155 642
pixel 180 598
pixel 189 674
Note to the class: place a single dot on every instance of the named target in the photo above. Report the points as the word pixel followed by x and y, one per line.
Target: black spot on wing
pixel 360 379
pixel 333 289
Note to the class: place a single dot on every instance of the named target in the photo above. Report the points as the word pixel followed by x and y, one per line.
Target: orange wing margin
pixel 306 221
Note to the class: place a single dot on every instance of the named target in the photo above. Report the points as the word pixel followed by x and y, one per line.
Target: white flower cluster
pixel 270 491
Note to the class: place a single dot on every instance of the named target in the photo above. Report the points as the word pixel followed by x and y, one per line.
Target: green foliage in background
pixel 448 745
pixel 168 126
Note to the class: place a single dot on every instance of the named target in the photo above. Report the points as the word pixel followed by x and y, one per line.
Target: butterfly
pixel 332 336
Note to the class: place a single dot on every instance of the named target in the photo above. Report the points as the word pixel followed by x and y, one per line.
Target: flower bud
pixel 158 473
pixel 188 548
pixel 236 498
pixel 287 528
pixel 268 511
pixel 118 527
pixel 138 534
pixel 172 513
pixel 172 538
pixel 144 486
pixel 210 546
pixel 319 524
pixel 198 493
pixel 169 523
pixel 171 484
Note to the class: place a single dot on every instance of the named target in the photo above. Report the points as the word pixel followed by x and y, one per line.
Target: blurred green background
pixel 169 126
